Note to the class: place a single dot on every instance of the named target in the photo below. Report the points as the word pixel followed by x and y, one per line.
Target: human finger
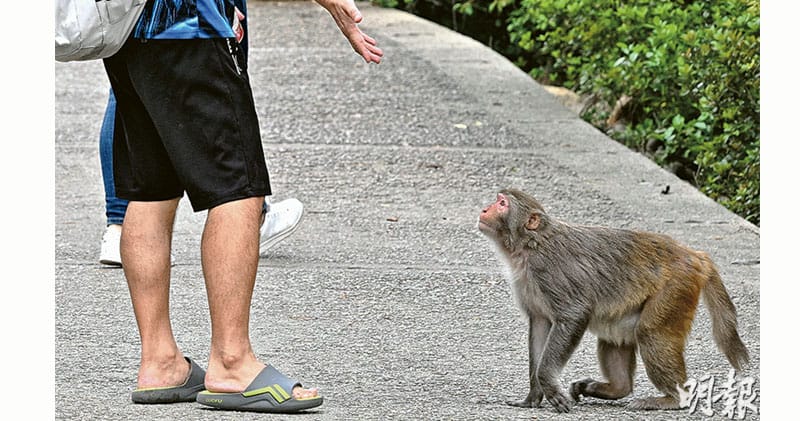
pixel 375 50
pixel 369 39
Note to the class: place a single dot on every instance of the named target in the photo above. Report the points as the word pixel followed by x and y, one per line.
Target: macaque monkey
pixel 633 290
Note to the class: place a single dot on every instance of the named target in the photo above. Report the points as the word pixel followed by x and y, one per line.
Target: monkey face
pixel 492 216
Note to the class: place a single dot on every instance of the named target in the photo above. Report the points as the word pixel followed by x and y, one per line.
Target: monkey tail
pixel 723 320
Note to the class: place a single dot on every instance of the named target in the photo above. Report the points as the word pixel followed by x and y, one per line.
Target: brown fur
pixel 634 290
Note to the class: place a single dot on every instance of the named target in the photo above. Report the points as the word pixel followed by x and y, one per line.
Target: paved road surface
pixel 387 298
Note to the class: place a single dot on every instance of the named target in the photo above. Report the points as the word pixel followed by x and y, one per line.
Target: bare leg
pixel 145 249
pixel 230 261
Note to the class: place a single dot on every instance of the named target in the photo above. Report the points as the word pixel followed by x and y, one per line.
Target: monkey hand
pixel 560 402
pixel 533 400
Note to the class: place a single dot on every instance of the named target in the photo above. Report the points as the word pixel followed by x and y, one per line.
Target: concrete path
pixel 387 298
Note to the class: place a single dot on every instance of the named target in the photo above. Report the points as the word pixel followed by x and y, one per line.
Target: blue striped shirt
pixel 185 19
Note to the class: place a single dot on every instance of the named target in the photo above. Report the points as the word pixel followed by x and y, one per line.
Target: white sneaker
pixel 109 248
pixel 280 221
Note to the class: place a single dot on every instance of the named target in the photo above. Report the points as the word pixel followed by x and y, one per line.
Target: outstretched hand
pixel 347 18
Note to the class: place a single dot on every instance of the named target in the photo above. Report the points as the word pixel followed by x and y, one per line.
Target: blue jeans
pixel 115 207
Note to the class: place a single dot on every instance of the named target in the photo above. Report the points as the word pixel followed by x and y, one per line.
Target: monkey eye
pixel 502 203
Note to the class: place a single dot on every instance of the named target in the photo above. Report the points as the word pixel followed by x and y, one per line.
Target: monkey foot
pixel 655 403
pixel 577 388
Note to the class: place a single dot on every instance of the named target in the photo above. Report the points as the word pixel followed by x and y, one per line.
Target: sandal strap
pixel 272 381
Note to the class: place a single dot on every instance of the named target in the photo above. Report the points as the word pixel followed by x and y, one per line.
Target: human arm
pixel 347 17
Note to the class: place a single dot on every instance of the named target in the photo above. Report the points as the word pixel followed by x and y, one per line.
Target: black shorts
pixel 185 121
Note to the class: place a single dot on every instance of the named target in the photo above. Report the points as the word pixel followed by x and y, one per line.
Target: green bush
pixel 690 68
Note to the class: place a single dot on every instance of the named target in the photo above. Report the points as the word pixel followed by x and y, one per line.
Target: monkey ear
pixel 533 222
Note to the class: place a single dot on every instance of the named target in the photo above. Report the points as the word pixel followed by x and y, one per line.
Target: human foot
pixel 267 392
pixel 165 373
pixel 185 392
pixel 220 380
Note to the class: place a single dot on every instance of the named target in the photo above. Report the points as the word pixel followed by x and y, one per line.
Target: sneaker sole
pixel 111 263
pixel 264 247
pixel 119 264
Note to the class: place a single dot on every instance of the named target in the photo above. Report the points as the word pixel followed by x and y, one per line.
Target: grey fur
pixel 568 278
